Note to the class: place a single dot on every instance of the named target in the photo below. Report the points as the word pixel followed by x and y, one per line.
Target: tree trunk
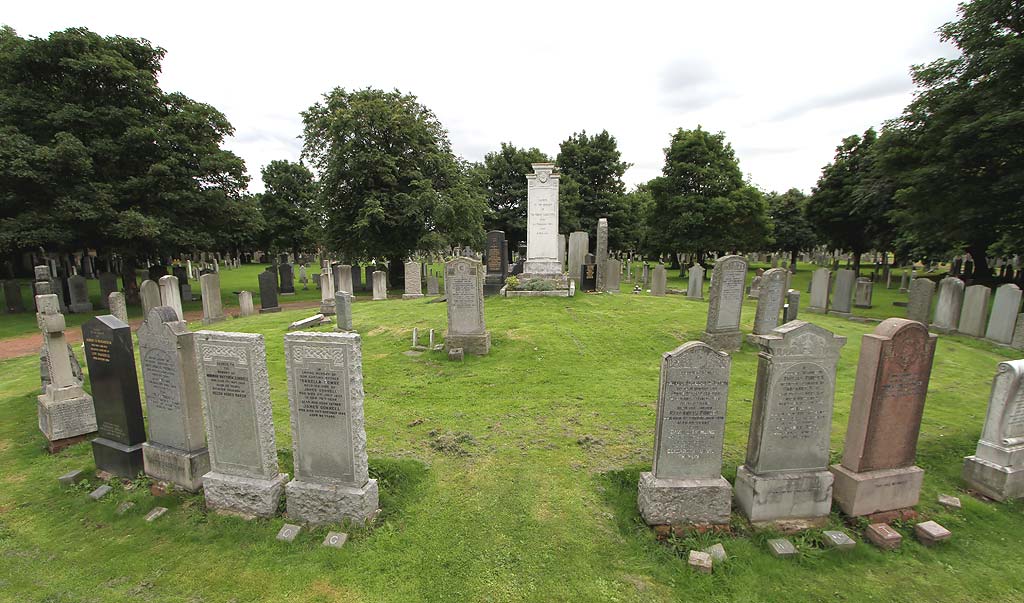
pixel 396 273
pixel 792 260
pixel 856 263
pixel 129 282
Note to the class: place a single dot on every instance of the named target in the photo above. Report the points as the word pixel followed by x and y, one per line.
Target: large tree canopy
pixel 793 233
pixel 594 164
pixel 503 178
pixel 389 183
pixel 289 207
pixel 94 154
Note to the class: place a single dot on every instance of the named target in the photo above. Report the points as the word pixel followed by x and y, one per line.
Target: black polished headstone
pixel 110 356
pixel 12 297
pixel 497 262
pixel 287 278
pixel 588 277
pixel 268 291
pixel 357 281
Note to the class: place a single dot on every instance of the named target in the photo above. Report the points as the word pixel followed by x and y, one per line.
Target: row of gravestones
pixel 838 295
pixel 966 310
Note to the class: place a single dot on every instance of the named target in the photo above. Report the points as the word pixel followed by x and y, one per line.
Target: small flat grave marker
pixel 71 477
pixel 156 514
pixel 837 539
pixel 100 492
pixel 717 552
pixel 782 548
pixel 700 562
pixel 288 532
pixel 883 536
pixel 125 507
pixel 930 533
pixel 950 502
pixel 455 354
pixel 335 539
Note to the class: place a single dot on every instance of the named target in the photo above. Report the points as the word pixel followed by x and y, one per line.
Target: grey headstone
pixel 770 301
pixel 947 310
pixel 659 281
pixel 725 303
pixel 862 294
pixel 843 294
pixel 579 245
pixel 695 282
pixel 919 307
pixel 602 253
pixel 380 285
pixel 820 290
pixel 213 309
pixel 974 312
pixel 245 305
pixel 792 309
pixel 463 284
pixel 1003 319
pixel 343 310
pixel 170 294
pixel 995 467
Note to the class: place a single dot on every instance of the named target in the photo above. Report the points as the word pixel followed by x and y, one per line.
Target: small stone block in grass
pixel 930 533
pixel 883 536
pixel 100 492
pixel 717 552
pixel 156 513
pixel 335 539
pixel 700 562
pixel 455 354
pixel 839 540
pixel 288 532
pixel 71 478
pixel 125 507
pixel 782 548
pixel 950 502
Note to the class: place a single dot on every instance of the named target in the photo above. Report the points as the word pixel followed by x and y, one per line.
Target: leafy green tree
pixel 701 202
pixel 594 164
pixel 957 151
pixel 389 182
pixel 792 232
pixel 502 175
pixel 94 154
pixel 289 207
pixel 839 209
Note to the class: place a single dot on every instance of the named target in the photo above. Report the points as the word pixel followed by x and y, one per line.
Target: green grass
pixel 504 478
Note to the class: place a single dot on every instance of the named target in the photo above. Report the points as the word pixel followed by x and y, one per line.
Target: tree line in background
pixel 93 154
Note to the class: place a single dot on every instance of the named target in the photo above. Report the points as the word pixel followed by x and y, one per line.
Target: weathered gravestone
pixel 819 291
pixel 997 467
pixel 368 281
pixel 725 304
pixel 659 280
pixel 433 287
pixel 66 413
pixel 380 285
pixel 213 309
pixel 843 294
pixel 325 395
pixel 108 285
pixel 12 297
pixel 542 223
pixel 785 477
pixel 413 281
pixel 792 308
pixel 268 291
pixel 862 294
pixel 685 484
pixel 287 275
pixel 497 262
pixel 947 310
pixel 769 302
pixel 176 451
pixel 612 280
pixel 343 309
pixel 117 306
pixel 464 289
pixel 244 478
pixel 245 306
pixel 974 311
pixel 327 292
pixel 1004 314
pixel 579 245
pixel 919 307
pixel 755 285
pixel 343 274
pixel 601 255
pixel 877 472
pixel 170 295
pixel 78 287
pixel 695 282
pixel 149 294
pixel 110 356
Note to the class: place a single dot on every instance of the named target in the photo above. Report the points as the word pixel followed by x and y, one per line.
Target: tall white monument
pixel 542 223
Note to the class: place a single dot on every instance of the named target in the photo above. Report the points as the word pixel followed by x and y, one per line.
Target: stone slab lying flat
pixel 930 533
pixel 782 548
pixel 335 539
pixel 700 562
pixel 288 532
pixel 156 513
pixel 717 552
pixel 71 477
pixel 125 507
pixel 100 492
pixel 950 502
pixel 839 540
pixel 883 536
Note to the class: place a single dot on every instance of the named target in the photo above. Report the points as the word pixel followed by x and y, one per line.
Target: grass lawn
pixel 504 478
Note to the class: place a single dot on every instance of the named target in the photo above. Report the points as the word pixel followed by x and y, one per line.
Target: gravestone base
pixel 182 468
pixel 941 330
pixel 318 504
pixel 213 319
pixel 542 269
pixel 55 446
pixel 684 501
pixel 269 310
pixel 80 308
pixel 814 310
pixel 841 314
pixel 860 494
pixel 117 458
pixel 479 344
pixel 327 309
pixel 65 413
pixel 729 341
pixel 774 497
pixel 994 481
pixel 412 295
pixel 247 497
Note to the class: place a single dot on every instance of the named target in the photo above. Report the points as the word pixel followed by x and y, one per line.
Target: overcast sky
pixel 785 81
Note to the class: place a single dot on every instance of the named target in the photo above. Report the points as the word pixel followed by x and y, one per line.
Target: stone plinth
pixel 799 496
pixel 65 411
pixel 868 492
pixel 996 469
pixel 677 501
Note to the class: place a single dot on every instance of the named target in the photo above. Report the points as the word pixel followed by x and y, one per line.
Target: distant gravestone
pixel 176 451
pixel 325 396
pixel 755 285
pixel 579 245
pixel 947 310
pixel 996 469
pixel 245 306
pixel 78 287
pixel 612 281
pixel 497 262
pixel 66 413
pixel 413 281
pixel 785 476
pixel 213 309
pixel 463 287
pixel 117 306
pixel 695 282
pixel 380 285
pixel 919 307
pixel 433 287
pixel 1004 314
pixel 770 301
pixel 725 304
pixel 792 309
pixel 149 293
pixel 343 309
pixel 819 291
pixel 268 291
pixel 244 478
pixel 974 311
pixel 659 280
pixel 862 294
pixel 685 484
pixel 843 293
pixel 343 274
pixel 170 295
pixel 602 253
pixel 877 472
pixel 12 297
pixel 108 285
pixel 588 277
pixel 369 277
pixel 303 277
pixel 326 292
pixel 110 356
pixel 287 275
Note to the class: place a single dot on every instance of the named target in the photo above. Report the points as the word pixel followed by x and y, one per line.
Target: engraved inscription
pixel 323 421
pixel 692 422
pixel 230 397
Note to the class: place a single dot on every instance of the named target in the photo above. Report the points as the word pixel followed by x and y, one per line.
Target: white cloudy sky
pixel 784 80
